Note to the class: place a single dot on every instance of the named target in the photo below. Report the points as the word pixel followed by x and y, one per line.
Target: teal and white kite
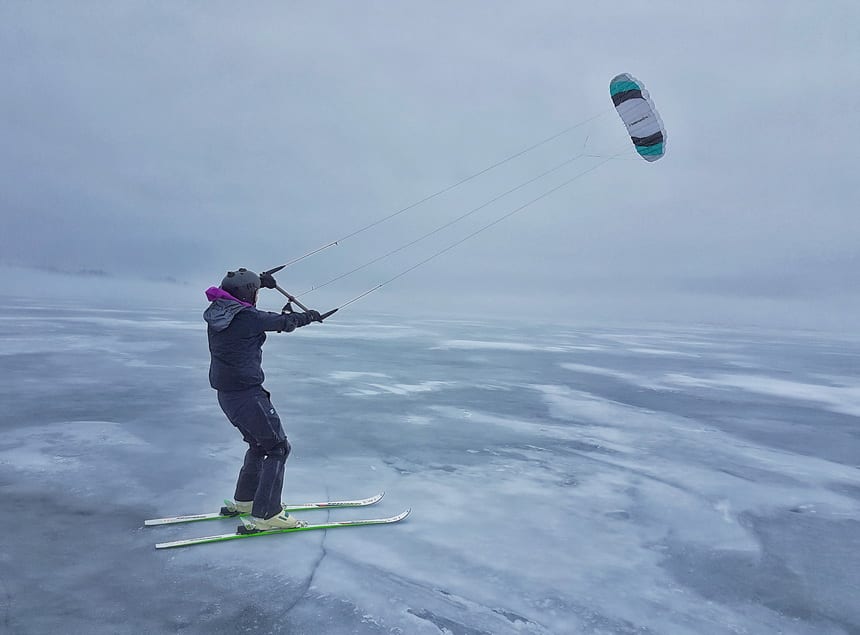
pixel 637 111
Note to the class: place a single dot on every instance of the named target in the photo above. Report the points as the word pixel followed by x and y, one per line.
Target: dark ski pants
pixel 261 478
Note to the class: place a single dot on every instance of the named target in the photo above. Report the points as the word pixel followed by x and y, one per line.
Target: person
pixel 237 331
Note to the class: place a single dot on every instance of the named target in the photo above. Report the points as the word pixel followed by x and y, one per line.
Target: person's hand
pixel 267 281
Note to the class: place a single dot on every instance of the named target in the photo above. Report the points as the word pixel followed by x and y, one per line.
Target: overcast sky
pixel 180 139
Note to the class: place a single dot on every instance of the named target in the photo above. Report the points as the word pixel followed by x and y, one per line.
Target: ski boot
pixel 235 508
pixel 280 521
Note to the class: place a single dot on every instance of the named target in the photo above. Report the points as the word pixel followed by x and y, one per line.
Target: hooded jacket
pixel 236 332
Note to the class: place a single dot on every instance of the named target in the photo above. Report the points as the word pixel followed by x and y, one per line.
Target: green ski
pixel 301 507
pixel 254 534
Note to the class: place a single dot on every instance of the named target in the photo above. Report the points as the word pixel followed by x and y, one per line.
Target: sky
pixel 146 142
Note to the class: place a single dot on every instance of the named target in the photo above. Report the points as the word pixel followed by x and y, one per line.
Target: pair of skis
pixel 246 530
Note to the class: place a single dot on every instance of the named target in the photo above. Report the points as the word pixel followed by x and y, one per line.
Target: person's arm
pixel 284 321
pixel 279 322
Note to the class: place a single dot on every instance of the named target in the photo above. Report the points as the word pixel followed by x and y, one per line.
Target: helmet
pixel 242 285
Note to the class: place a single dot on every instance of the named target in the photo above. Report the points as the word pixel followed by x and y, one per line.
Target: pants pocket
pixel 270 424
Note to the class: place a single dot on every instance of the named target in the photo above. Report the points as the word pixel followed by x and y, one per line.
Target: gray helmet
pixel 242 284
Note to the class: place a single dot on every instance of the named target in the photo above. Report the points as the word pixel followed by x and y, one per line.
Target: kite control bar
pixel 292 299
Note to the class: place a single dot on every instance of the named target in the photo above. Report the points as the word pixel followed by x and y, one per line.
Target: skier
pixel 237 331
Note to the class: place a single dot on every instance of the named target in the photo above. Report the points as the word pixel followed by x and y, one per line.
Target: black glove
pixel 314 316
pixel 267 281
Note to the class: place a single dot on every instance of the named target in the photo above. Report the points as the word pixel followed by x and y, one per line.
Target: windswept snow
pixel 574 481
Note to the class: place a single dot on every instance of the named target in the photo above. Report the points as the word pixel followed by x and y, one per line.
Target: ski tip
pixel 402 515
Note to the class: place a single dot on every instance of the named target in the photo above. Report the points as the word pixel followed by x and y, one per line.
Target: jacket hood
pixel 217 293
pixel 223 309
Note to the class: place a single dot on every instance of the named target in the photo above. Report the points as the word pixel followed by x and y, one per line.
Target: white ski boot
pixel 281 521
pixel 237 507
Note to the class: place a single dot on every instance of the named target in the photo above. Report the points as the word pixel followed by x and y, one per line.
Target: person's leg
pixel 252 412
pixel 267 499
pixel 249 475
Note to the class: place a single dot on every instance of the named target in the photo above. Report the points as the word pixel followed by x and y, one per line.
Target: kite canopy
pixel 636 110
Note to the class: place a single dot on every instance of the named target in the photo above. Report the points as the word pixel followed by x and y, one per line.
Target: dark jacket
pixel 237 331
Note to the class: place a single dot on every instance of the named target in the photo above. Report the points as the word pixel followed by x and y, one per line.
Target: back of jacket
pixel 236 332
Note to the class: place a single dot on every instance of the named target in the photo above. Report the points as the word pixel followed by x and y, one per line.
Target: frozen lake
pixel 562 479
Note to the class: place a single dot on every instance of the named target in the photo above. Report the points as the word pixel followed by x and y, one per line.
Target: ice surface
pixel 568 481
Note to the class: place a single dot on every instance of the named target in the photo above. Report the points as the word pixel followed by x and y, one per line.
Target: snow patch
pixel 843 399
pixel 487 345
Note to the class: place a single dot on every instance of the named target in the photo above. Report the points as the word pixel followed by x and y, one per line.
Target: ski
pixel 171 520
pixel 254 534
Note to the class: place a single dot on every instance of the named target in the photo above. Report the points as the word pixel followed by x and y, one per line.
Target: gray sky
pixel 177 140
